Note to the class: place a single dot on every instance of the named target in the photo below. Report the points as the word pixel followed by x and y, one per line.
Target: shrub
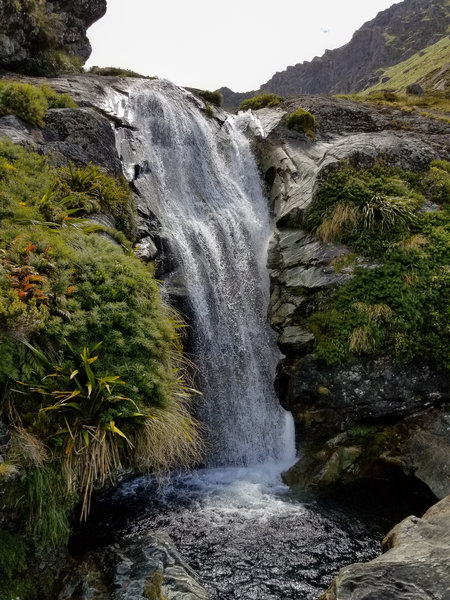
pixel 436 183
pixel 56 100
pixel 24 100
pixel 303 121
pixel 261 101
pixel 215 98
pixel 116 72
pixel 30 102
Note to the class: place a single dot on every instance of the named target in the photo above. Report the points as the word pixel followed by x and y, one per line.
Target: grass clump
pixel 368 210
pixel 214 98
pixel 261 101
pixel 302 121
pixel 400 307
pixel 89 190
pixel 116 72
pixel 30 102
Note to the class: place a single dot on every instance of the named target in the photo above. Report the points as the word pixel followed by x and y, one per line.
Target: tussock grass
pixel 343 215
pixel 361 340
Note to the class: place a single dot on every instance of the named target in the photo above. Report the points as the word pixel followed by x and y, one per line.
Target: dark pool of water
pixel 247 535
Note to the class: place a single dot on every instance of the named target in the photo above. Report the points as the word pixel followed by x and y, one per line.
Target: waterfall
pixel 198 178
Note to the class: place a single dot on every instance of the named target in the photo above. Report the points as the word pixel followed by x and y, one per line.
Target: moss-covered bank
pixel 91 368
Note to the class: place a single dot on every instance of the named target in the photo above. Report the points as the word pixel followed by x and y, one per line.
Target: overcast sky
pixel 239 43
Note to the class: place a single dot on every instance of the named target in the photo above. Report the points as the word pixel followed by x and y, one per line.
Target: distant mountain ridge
pixel 392 37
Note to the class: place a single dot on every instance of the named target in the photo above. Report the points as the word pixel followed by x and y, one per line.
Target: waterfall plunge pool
pixel 246 534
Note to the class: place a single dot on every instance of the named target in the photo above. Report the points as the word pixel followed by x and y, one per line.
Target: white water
pixel 200 181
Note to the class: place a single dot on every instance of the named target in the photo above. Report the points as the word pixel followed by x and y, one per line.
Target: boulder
pixel 417 447
pixel 414 89
pixel 414 566
pixel 143 567
pixel 76 135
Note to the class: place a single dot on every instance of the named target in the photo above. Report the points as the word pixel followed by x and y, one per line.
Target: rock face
pixel 43 38
pixel 418 446
pixel 357 419
pixel 139 568
pixel 393 36
pixel 414 565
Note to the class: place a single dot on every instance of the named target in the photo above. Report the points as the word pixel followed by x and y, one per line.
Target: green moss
pixel 261 101
pixel 343 262
pixel 209 111
pixel 30 102
pixel 401 306
pixel 13 553
pixel 302 121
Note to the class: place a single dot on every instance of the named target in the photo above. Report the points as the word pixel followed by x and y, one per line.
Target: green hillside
pixel 430 67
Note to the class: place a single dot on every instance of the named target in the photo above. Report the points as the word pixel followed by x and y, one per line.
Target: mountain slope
pixel 430 67
pixel 392 37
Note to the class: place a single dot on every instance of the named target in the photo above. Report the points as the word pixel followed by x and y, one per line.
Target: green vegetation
pixel 400 306
pixel 92 376
pixel 89 190
pixel 433 104
pixel 261 101
pixel 421 67
pixel 302 121
pixel 30 102
pixel 214 98
pixel 116 72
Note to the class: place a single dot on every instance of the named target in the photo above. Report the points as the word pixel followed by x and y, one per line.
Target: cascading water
pixel 201 182
pixel 245 533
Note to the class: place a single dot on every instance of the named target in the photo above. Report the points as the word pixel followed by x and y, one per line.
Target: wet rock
pixel 414 565
pixel 146 250
pixel 328 401
pixel 80 136
pixel 365 391
pixel 418 446
pixel 295 339
pixel 146 567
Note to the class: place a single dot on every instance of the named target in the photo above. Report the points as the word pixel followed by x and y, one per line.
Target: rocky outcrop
pixel 417 446
pixel 393 36
pixel 44 38
pixel 414 565
pixel 146 567
pixel 350 417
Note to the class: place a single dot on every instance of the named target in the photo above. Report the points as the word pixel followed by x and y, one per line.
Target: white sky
pixel 240 44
